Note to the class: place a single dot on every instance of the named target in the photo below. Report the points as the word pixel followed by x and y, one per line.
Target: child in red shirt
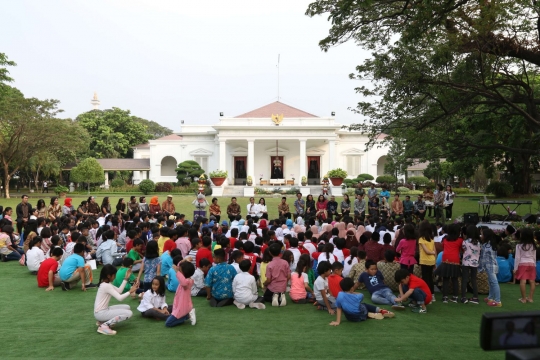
pixel 205 251
pixel 335 278
pixel 253 258
pixel 450 268
pixel 411 286
pixel 47 275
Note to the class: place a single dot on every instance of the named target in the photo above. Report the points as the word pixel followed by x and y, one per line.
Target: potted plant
pixel 61 190
pixel 337 176
pixel 304 181
pixel 218 177
pixel 249 181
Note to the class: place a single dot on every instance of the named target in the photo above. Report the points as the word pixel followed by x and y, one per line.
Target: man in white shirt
pixel 245 288
pixel 293 242
pixel 252 208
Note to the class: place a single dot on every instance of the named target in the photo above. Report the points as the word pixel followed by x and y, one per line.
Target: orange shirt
pixel 333 284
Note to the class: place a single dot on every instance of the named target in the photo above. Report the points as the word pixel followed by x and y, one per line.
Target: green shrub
pixel 164 187
pixel 499 189
pixel 386 179
pixel 418 180
pixel 218 174
pixel 116 183
pixel 61 189
pixel 462 190
pixel 147 186
pixel 365 177
pixel 403 189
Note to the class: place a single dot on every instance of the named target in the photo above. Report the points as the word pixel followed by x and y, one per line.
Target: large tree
pixel 456 79
pixel 113 132
pixel 29 130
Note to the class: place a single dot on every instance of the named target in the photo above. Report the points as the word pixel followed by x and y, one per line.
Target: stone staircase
pixel 238 191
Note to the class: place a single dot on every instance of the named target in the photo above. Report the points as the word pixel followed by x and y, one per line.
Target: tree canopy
pixel 153 128
pixel 457 80
pixel 113 132
pixel 88 171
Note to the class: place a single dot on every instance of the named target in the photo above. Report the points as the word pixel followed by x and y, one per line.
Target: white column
pixel 331 154
pixel 106 180
pixel 222 155
pixel 303 160
pixel 251 159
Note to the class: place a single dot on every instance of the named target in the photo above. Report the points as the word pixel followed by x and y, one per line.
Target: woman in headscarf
pixel 289 224
pixel 67 208
pixel 341 227
pixel 315 231
pixel 351 240
pixel 154 205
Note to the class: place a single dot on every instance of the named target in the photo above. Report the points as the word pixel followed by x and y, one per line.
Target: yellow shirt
pixel 263 272
pixel 427 259
pixel 161 243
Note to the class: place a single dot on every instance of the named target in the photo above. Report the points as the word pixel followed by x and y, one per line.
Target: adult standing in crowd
pixel 449 196
pixel 23 211
pixel 55 209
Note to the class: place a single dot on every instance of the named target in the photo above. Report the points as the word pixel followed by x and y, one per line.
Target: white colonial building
pixel 254 143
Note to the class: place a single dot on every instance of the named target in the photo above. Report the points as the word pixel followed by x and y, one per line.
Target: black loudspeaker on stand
pixel 471 218
pixel 529 218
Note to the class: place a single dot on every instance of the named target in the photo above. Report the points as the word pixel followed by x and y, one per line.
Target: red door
pixel 277 172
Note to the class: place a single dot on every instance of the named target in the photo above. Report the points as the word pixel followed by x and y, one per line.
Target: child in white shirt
pixel 237 256
pixel 34 255
pixel 198 288
pixel 153 303
pixel 245 288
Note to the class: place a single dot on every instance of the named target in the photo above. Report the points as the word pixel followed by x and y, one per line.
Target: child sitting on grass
pixel 335 278
pixel 351 305
pixel 245 288
pixel 415 288
pixel 381 294
pixel 325 300
pixel 134 254
pixel 153 303
pixel 301 292
pixel 106 315
pixel 359 267
pixel 182 307
pixel 127 264
pixel 172 282
pixel 219 280
pixel 278 274
pixel 388 268
pixel 237 256
pixel 47 274
pixel 198 288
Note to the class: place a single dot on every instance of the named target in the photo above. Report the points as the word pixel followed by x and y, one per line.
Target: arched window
pixel 380 165
pixel 168 166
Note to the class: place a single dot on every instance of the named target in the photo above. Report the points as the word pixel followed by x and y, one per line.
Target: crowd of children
pixel 145 255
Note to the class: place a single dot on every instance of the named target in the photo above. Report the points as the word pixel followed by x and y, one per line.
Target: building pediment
pixel 201 152
pixel 239 151
pixel 314 152
pixel 279 150
pixel 353 151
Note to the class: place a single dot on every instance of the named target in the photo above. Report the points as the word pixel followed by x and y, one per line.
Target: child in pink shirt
pixel 407 249
pixel 300 285
pixel 182 305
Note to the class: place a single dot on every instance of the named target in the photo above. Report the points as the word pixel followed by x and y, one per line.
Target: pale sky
pixel 178 60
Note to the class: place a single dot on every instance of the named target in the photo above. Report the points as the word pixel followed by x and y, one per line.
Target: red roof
pixel 277 108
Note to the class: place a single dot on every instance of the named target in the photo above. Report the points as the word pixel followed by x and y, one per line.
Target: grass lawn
pixel 61 325
pixel 183 203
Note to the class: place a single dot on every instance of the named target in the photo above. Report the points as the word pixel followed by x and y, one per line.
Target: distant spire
pixel 95 101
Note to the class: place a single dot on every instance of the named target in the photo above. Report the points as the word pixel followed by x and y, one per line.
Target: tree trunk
pixel 7 177
pixel 36 178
